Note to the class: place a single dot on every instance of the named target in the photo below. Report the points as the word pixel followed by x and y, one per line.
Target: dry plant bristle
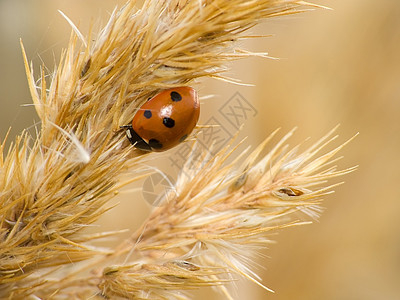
pixel 57 183
pixel 219 215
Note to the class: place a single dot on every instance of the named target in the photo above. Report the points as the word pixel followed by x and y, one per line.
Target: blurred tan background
pixel 340 66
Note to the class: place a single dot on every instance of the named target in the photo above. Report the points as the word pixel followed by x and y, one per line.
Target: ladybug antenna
pixel 125 126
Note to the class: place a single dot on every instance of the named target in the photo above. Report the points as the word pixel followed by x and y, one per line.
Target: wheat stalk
pixel 57 183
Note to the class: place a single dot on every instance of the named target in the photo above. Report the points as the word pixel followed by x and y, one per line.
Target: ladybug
pixel 165 120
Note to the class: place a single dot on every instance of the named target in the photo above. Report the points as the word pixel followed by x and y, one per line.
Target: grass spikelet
pixel 57 183
pixel 160 281
pixel 220 215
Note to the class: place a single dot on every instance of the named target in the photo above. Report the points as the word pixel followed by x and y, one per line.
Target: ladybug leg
pixel 135 139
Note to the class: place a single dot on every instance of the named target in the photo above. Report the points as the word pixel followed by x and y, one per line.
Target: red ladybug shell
pixel 167 119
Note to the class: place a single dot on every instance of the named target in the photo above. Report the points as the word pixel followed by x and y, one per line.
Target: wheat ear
pixel 55 184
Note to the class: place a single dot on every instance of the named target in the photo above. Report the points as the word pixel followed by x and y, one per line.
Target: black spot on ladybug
pixel 147 114
pixel 153 143
pixel 168 122
pixel 183 138
pixel 175 96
